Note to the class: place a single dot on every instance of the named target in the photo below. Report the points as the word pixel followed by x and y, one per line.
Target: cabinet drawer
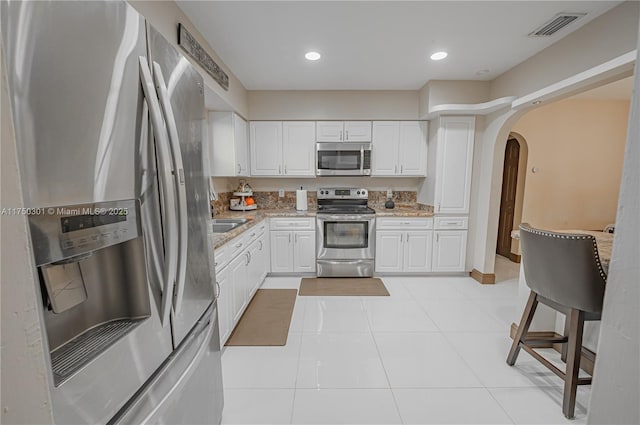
pixel 404 223
pixel 254 233
pixel 221 257
pixel 236 245
pixel 447 223
pixel 306 223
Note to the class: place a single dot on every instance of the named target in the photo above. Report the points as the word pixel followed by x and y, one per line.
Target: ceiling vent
pixel 555 24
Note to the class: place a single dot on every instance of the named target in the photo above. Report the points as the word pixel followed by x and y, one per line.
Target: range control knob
pixel 358 192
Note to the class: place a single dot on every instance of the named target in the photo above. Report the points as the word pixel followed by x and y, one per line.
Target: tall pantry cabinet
pixel 448 189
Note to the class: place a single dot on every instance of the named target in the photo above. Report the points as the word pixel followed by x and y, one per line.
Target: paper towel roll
pixel 301 200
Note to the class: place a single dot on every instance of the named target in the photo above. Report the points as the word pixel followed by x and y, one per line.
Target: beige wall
pixel 438 92
pixel 165 16
pixel 606 37
pixel 578 148
pixel 333 105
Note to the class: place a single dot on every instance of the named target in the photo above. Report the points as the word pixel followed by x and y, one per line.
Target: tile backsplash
pixel 271 200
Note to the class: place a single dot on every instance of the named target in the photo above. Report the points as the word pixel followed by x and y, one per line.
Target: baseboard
pixel 484 278
pixel 587 359
pixel 516 258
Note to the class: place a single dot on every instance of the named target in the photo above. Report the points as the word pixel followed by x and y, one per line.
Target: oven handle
pixel 346 217
pixel 362 160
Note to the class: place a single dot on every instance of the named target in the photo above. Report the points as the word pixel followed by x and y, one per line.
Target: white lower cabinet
pixel 238 273
pixel 241 266
pixel 449 250
pixel 403 245
pixel 293 245
pixel 224 304
pixel 389 251
pixel 417 251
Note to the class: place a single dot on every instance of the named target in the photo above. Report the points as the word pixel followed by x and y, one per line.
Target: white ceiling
pixel 376 45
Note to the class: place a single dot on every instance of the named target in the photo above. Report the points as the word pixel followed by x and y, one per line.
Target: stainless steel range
pixel 346 233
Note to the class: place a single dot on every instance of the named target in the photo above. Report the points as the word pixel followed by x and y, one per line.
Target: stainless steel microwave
pixel 343 159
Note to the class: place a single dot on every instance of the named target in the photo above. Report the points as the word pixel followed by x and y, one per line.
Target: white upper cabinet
pixel 399 148
pixel 282 148
pixel 228 152
pixel 329 131
pixel 412 153
pixel 385 148
pixel 266 148
pixel 357 131
pixel 298 148
pixel 343 131
pixel 448 188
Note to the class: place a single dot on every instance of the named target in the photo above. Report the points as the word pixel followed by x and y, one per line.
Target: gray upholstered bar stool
pixel 563 271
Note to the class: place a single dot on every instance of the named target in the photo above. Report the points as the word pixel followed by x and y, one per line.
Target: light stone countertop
pixel 403 212
pixel 257 216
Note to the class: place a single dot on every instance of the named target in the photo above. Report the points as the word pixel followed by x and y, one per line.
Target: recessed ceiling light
pixel 483 72
pixel 312 56
pixel 536 102
pixel 439 56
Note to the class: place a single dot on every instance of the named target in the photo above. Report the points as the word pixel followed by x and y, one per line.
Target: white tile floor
pixel 431 353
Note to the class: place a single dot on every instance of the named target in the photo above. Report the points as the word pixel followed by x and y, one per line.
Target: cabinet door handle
pixel 401 168
pixel 239 245
pixel 252 235
pixel 260 245
pixel 340 134
pixel 401 236
pixel 239 169
pixel 347 137
pixel 285 169
pixel 438 207
pixel 395 169
pixel 407 237
pixel 279 169
pixel 437 237
pixel 289 237
pixel 217 290
pixel 250 257
pixel 295 237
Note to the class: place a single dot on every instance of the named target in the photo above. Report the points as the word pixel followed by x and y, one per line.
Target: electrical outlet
pixel 281 193
pixel 389 193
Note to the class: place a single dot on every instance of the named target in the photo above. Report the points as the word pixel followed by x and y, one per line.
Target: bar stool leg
pixel 523 328
pixel 563 353
pixel 574 352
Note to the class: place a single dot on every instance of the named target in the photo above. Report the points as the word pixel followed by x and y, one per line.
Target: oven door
pixel 346 237
pixel 337 159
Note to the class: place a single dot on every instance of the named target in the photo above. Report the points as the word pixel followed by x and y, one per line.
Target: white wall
pixel 616 384
pixel 333 105
pixel 165 16
pixel 25 394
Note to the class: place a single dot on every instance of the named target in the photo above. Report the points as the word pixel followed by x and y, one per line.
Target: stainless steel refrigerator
pixel 108 118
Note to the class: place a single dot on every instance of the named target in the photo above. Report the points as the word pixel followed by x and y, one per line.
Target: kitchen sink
pixel 229 220
pixel 223 225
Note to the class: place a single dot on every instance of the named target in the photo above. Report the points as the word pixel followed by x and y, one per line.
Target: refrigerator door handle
pixel 165 172
pixel 183 227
